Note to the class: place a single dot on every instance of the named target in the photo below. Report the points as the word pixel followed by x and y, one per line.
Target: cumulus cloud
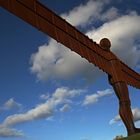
pixel 136 113
pixel 115 119
pixel 40 111
pixel 136 116
pixel 111 14
pixel 65 108
pixel 44 96
pixel 54 61
pixel 85 13
pixel 50 119
pixel 10 104
pixel 45 110
pixel 123 32
pixel 10 132
pixel 63 94
pixel 91 99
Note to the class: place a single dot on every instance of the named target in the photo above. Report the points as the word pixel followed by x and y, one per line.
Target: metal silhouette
pixel 119 74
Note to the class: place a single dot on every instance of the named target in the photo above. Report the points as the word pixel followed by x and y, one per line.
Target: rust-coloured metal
pixel 105 44
pixel 45 20
pixel 125 112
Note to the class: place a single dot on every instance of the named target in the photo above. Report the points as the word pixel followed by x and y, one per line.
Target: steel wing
pixel 39 16
pixel 45 20
pixel 131 77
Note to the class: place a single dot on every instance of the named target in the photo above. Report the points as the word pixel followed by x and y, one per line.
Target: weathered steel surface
pixel 48 22
pixel 131 77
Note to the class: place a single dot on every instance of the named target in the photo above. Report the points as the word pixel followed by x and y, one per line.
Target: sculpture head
pixel 105 44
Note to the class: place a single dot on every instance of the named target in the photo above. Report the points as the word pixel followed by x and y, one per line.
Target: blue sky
pixel 49 92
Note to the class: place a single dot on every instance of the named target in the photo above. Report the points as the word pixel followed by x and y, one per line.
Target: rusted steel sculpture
pixel 119 74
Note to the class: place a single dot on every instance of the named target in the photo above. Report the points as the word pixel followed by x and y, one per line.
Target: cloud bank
pixel 123 32
pixel 54 61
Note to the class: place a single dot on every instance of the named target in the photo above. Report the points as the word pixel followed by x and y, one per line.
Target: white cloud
pixel 10 104
pixel 110 14
pixel 116 119
pixel 50 119
pixel 136 113
pixel 137 124
pixel 136 116
pixel 85 13
pixel 44 96
pixel 64 93
pixel 45 110
pixel 40 111
pixel 91 99
pixel 54 61
pixel 65 108
pixel 10 132
pixel 123 33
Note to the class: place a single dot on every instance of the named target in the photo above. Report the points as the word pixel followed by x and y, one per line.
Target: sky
pixel 50 92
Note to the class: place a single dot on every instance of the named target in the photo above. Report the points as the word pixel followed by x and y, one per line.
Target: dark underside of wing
pixel 131 77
